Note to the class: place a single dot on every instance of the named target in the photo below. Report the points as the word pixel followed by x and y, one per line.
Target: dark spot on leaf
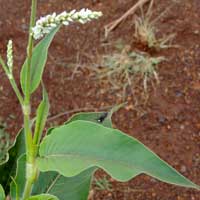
pixel 102 117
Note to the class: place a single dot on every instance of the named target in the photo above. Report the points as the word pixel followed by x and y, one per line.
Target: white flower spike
pixel 10 56
pixel 45 24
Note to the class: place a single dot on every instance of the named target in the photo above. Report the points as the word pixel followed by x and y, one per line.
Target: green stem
pixel 27 189
pixel 29 51
pixel 26 106
pixel 31 177
pixel 12 81
pixel 31 173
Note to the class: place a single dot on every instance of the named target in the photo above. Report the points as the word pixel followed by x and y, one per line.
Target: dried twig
pixel 109 27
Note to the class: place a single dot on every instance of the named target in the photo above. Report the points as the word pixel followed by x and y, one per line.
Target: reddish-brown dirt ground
pixel 170 123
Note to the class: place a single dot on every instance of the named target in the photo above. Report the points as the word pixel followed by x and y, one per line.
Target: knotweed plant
pixel 61 164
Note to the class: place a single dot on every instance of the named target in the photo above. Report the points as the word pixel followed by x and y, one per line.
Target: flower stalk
pixel 12 80
pixel 30 154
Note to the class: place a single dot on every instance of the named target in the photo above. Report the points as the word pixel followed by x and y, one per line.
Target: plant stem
pixel 27 95
pixel 31 173
pixel 27 189
pixel 29 51
pixel 31 176
pixel 12 81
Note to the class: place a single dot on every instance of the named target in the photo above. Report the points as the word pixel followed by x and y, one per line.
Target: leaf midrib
pixel 90 158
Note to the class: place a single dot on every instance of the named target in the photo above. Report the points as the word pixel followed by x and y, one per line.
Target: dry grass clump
pixel 126 68
pixel 146 31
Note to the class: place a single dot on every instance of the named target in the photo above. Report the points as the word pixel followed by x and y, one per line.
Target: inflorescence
pixel 47 23
pixel 10 58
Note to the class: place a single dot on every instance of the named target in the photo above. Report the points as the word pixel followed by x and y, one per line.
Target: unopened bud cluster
pixel 10 55
pixel 45 24
pixel 10 58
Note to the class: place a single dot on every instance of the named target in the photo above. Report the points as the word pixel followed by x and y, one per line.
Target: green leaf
pixel 43 197
pixel 2 193
pixel 41 117
pixel 8 169
pixel 77 187
pixel 103 118
pixel 96 117
pixel 38 61
pixel 73 188
pixel 74 147
pixel 18 183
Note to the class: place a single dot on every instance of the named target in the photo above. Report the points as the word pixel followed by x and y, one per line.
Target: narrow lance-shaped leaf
pixel 74 147
pixel 18 183
pixel 2 193
pixel 41 117
pixel 38 62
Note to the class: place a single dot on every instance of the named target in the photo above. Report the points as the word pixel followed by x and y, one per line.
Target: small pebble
pixel 183 169
pixel 153 194
pixel 168 127
pixel 179 93
pixel 162 120
pixel 182 127
pixel 153 180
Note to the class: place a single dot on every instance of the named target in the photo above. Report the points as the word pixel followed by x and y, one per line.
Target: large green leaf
pixel 73 188
pixel 43 197
pixel 77 187
pixel 38 61
pixel 2 193
pixel 74 147
pixel 8 169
